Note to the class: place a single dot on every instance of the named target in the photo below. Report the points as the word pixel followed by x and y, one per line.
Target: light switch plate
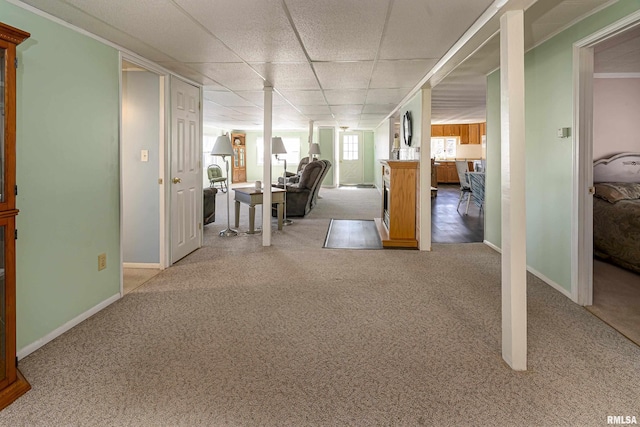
pixel 144 155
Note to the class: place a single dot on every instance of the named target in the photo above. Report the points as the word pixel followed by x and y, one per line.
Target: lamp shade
pixel 315 149
pixel 222 147
pixel 277 146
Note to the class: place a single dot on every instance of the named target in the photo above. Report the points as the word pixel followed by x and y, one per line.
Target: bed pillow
pixel 615 191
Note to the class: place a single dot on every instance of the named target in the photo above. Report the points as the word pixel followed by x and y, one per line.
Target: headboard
pixel 623 167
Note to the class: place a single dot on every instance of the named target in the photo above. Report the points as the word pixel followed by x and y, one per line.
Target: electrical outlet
pixel 102 261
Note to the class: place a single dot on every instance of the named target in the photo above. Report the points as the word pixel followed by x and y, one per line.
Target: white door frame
pixel 582 200
pixel 360 152
pixel 162 132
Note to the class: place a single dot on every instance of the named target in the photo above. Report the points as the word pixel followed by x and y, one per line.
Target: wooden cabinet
pixel 483 129
pixel 464 134
pixel 397 227
pixel 239 164
pixel 451 130
pixel 474 133
pixel 12 383
pixel 447 173
pixel 437 130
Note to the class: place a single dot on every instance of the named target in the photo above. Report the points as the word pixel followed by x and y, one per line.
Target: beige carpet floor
pixel 237 334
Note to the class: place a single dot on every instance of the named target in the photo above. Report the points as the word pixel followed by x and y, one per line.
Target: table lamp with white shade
pixel 223 148
pixel 314 150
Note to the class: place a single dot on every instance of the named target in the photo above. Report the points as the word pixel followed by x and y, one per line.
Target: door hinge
pixel 16 190
pixel 199 226
pixel 15 62
pixel 16 234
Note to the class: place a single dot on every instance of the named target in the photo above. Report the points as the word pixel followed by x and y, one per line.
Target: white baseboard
pixel 492 246
pixel 149 265
pixel 536 273
pixel 27 350
pixel 549 282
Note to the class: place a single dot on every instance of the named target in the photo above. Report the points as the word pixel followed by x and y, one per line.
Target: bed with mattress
pixel 616 210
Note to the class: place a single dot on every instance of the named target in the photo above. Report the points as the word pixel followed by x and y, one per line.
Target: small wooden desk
pixel 253 197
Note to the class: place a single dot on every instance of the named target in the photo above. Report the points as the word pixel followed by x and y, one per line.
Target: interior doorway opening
pixel 608 287
pixel 141 160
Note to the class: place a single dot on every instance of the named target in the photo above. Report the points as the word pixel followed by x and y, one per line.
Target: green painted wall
pixel 548 106
pixel 67 173
pixel 255 171
pixel 326 137
pixel 493 214
pixel 415 107
pixel 369 157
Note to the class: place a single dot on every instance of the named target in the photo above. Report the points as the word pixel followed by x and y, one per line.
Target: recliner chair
pixel 302 196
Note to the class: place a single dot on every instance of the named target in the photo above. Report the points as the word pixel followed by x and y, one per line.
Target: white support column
pixel 514 245
pixel 424 196
pixel 266 174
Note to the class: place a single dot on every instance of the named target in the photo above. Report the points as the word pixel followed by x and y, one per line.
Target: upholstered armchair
pixel 300 196
pixel 209 205
pixel 292 178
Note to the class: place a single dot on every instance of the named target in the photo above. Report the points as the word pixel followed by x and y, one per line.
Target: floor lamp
pixel 277 147
pixel 223 148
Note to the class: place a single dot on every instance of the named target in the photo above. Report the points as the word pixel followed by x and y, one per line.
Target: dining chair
pixel 465 187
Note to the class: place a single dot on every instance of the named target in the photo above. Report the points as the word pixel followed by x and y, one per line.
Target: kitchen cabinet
pixel 474 133
pixel 451 130
pixel 437 130
pixel 447 172
pixel 464 134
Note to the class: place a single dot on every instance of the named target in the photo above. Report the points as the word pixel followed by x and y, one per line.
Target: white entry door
pixel 351 161
pixel 186 186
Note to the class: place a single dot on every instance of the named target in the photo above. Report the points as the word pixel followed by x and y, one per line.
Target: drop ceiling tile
pixel 378 108
pixel 288 76
pixel 304 97
pixel 90 23
pixel 234 76
pixel 257 97
pixel 346 109
pixel 346 31
pixel 400 74
pixel 386 96
pixel 344 75
pixel 226 98
pixel 179 38
pixel 342 97
pixel 320 117
pixel 257 31
pixel 314 109
pixel 434 27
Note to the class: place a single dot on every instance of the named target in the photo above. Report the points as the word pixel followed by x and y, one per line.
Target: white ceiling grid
pixel 337 62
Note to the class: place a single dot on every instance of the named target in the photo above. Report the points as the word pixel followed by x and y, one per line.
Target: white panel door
pixel 186 187
pixel 351 161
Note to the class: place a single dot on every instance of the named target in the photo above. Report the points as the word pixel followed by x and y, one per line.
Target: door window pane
pixel 350 147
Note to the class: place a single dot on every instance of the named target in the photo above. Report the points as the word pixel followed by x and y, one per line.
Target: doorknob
pixel 176 180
